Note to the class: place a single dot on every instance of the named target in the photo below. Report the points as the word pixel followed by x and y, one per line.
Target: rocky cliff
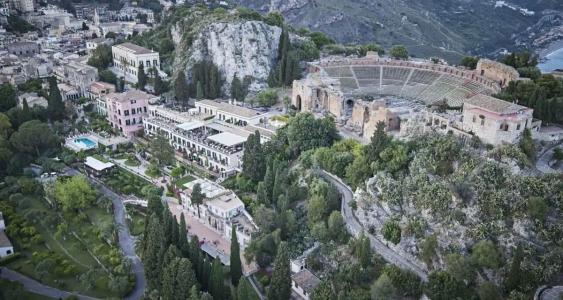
pixel 244 48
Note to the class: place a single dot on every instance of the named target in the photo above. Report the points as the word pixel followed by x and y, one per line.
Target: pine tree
pixel 197 197
pixel 181 88
pixel 245 291
pixel 183 244
pixel 141 78
pixel 236 265
pixel 216 281
pixel 379 141
pixel 56 107
pixel 280 286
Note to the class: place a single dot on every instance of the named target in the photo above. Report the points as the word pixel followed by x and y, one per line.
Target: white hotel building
pixel 127 58
pixel 205 138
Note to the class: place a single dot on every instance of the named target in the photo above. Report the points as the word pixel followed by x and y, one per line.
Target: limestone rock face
pixel 286 5
pixel 245 48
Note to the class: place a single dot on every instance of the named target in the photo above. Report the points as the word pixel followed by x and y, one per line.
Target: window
pixel 134 121
pixel 482 122
pixel 119 112
pixel 126 112
pixel 474 119
pixel 148 63
pixel 145 109
pixel 133 111
pixel 518 127
pixel 119 121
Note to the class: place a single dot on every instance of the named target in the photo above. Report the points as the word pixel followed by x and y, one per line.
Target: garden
pixel 125 183
pixel 66 239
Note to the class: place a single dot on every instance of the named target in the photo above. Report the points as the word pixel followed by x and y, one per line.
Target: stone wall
pixel 496 71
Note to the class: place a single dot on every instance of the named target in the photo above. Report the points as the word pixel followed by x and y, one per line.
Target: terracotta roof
pixel 306 280
pixel 494 105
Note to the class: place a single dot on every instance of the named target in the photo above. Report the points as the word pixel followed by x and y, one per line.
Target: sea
pixel 553 61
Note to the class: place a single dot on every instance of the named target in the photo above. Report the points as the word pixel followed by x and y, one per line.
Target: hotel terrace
pixel 212 138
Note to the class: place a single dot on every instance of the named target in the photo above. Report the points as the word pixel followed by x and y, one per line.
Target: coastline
pixel 552 48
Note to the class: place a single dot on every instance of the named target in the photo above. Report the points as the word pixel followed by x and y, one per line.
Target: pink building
pixel 125 111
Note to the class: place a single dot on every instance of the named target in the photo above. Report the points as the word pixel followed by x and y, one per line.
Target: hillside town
pixel 179 150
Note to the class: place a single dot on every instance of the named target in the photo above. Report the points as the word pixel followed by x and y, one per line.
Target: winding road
pixel 355 228
pixel 36 287
pixel 126 243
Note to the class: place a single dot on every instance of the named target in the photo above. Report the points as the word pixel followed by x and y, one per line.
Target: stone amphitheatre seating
pixel 424 77
pixel 413 80
pixel 339 71
pixel 368 72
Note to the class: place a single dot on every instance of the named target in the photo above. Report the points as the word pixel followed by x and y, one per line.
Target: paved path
pixel 126 241
pixel 36 287
pixel 549 293
pixel 355 228
pixel 542 163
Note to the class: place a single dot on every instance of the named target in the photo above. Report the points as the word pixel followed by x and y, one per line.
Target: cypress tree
pixel 280 286
pixel 199 91
pixel 153 249
pixel 169 279
pixel 141 78
pixel 197 197
pixel 183 244
pixel 181 88
pixel 514 278
pixel 185 279
pixel 269 179
pixel 236 265
pixel 253 160
pixel 26 112
pixel 236 88
pixel 168 227
pixel 216 281
pixel 245 291
pixel 56 107
pixel 206 275
pixel 171 253
pixel 175 232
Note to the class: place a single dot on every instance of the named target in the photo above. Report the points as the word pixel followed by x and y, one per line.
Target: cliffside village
pixel 212 134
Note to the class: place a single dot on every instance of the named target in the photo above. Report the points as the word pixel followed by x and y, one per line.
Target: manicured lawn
pixel 137 219
pixel 180 182
pixel 132 162
pixel 100 158
pixel 125 182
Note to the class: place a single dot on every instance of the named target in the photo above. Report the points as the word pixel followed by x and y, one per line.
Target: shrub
pixel 392 231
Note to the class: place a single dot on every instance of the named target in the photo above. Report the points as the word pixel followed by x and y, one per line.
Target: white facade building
pixel 6 247
pixel 221 209
pixel 128 57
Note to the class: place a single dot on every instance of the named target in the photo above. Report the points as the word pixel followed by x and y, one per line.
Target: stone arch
pixel 298 102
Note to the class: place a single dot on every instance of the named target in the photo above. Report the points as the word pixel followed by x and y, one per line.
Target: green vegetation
pixel 18 25
pixel 101 57
pixel 544 93
pixel 399 52
pixel 13 290
pixel 469 62
pixel 126 183
pixel 71 250
pixel 267 98
pixel 137 217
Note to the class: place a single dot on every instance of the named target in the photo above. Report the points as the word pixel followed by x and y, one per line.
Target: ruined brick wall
pixel 496 71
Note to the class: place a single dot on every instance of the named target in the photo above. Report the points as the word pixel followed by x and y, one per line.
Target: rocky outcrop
pixel 245 48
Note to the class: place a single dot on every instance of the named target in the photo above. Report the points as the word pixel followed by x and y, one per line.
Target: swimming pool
pixel 85 143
